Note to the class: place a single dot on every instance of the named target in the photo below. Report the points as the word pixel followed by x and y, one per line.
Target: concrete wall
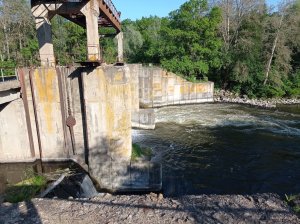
pixel 108 109
pixel 14 143
pixel 49 116
pixel 100 101
pixel 159 88
pixel 105 103
pixel 141 118
pixel 9 91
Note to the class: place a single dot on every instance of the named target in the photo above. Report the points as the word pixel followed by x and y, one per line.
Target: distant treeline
pixel 242 45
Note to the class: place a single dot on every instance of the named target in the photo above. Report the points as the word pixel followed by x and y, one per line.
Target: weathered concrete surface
pixel 44 11
pixel 46 90
pixel 108 108
pixel 4 86
pixel 134 84
pixel 91 12
pixel 144 119
pixel 141 118
pixel 105 103
pixel 14 143
pixel 100 101
pixel 44 33
pixel 161 88
pixel 120 38
pixel 9 96
pixel 9 91
pixel 152 208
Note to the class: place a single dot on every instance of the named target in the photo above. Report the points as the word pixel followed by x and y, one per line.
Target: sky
pixel 136 9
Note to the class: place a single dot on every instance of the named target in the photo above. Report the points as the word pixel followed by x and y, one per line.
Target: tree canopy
pixel 242 45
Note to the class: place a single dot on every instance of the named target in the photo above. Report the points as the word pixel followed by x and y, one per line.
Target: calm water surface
pixel 226 149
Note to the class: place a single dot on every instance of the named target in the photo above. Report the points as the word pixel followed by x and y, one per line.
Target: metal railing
pixel 112 8
pixel 8 74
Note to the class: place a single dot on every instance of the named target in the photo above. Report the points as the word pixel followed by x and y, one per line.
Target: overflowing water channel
pixel 214 148
pixel 226 149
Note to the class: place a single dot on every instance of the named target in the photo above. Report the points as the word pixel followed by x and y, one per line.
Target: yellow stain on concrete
pixel 110 118
pixel 123 149
pixel 118 77
pixel 184 89
pixel 157 86
pixel 201 88
pixel 46 94
pixel 124 122
pixel 92 57
pixel 171 89
pixel 193 88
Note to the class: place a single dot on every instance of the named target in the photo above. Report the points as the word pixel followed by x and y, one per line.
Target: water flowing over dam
pixel 225 149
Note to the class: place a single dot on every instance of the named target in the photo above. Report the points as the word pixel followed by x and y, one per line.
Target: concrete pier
pixel 91 12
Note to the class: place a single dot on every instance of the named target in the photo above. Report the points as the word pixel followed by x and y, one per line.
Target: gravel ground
pixel 152 208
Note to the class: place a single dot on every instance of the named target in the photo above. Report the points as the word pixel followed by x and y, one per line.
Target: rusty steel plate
pixel 71 121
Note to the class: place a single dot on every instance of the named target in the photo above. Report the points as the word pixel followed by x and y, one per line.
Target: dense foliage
pixel 241 45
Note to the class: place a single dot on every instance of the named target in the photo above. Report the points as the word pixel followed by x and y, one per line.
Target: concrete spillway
pixel 86 114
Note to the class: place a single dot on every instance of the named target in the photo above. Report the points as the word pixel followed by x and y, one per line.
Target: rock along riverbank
pixel 152 208
pixel 223 96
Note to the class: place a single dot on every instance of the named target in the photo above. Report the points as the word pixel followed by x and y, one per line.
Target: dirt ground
pixel 152 208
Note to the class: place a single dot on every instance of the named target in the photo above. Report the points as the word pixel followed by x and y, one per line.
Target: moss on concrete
pixel 140 153
pixel 25 189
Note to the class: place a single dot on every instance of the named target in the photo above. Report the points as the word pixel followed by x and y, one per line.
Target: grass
pixel 291 202
pixel 25 189
pixel 139 152
pixel 297 209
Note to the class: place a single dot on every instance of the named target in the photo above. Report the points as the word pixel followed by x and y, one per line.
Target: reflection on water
pixel 225 149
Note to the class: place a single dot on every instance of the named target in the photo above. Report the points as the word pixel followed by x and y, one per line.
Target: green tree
pixel 191 45
pixel 133 41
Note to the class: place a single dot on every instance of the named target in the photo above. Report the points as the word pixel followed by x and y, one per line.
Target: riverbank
pixel 152 208
pixel 223 96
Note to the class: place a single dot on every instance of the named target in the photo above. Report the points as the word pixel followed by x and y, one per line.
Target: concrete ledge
pixel 9 91
pixel 32 160
pixel 143 119
pixel 179 102
pixel 4 86
pixel 9 96
pixel 158 88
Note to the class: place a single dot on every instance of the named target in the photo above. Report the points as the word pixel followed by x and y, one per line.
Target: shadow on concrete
pixel 2 106
pixel 77 74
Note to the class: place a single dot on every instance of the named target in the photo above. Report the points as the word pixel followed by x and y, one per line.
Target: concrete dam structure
pixel 86 114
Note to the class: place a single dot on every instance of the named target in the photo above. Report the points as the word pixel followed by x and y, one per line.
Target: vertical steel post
pixel 2 75
pixel 84 115
pixel 36 118
pixel 27 113
pixel 62 107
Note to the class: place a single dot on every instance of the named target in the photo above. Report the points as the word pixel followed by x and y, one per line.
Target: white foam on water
pixel 219 115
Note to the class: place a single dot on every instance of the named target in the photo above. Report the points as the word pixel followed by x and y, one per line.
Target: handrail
pixel 5 78
pixel 113 9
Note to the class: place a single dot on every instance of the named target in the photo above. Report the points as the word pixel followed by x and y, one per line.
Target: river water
pixel 226 149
